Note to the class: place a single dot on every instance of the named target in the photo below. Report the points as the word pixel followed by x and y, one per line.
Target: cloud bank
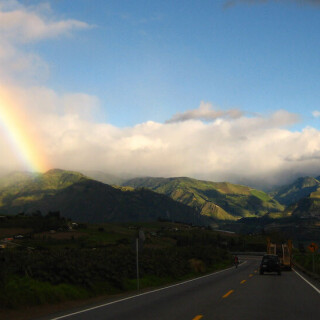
pixel 205 112
pixel 254 150
pixel 206 142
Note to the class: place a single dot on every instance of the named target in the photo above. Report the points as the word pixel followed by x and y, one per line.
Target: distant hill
pixel 83 199
pixel 299 189
pixel 103 177
pixel 220 200
pixel 308 206
pixel 23 187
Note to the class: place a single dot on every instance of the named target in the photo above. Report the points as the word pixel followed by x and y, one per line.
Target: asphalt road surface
pixel 231 294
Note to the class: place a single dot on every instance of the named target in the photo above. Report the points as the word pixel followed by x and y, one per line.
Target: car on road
pixel 270 263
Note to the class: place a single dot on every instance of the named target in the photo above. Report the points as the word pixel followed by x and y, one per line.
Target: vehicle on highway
pixel 270 263
pixel 283 251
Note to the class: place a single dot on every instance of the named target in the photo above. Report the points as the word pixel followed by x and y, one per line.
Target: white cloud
pixel 22 24
pixel 205 112
pixel 316 113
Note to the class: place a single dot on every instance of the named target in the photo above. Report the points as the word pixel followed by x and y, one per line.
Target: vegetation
pixel 82 199
pixel 299 189
pixel 51 265
pixel 220 200
pixel 308 206
pixel 305 260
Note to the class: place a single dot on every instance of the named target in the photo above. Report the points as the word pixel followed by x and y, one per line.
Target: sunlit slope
pixel 299 189
pixel 221 200
pixel 83 199
pixel 20 188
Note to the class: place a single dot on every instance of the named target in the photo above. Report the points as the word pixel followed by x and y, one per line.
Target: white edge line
pixel 142 294
pixel 309 283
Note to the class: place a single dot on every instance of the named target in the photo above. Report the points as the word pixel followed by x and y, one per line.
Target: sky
pixel 216 90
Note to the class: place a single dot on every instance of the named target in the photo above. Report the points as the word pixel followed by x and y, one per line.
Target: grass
pixel 25 291
pixel 261 195
pixel 152 281
pixel 306 261
pixel 18 292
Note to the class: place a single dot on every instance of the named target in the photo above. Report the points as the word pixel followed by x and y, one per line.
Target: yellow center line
pixel 243 281
pixel 250 275
pixel 198 317
pixel 227 294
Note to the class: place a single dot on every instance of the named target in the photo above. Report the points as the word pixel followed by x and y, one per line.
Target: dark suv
pixel 270 263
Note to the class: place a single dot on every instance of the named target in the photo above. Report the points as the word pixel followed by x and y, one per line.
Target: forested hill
pixel 83 199
pixel 221 200
pixel 308 207
pixel 299 189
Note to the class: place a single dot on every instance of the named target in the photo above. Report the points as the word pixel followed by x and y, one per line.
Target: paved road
pixel 232 294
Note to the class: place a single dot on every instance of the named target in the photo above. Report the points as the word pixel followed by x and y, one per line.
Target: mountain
pixel 220 200
pixel 83 199
pixel 308 207
pixel 299 189
pixel 103 177
pixel 23 187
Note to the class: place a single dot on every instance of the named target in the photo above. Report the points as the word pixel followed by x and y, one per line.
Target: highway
pixel 231 294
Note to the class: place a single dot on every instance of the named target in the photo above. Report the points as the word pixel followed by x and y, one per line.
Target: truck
pixel 283 251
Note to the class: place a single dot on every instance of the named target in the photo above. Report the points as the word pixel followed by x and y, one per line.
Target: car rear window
pixel 270 258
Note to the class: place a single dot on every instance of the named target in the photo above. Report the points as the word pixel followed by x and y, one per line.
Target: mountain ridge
pixel 84 199
pixel 220 200
pixel 300 188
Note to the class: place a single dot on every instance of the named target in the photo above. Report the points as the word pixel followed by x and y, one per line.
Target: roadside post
pixel 313 247
pixel 139 242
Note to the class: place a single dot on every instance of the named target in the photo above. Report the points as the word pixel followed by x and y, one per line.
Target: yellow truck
pixel 283 251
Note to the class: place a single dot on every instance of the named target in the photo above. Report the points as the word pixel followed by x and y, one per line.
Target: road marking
pixel 198 317
pixel 243 281
pixel 142 294
pixel 250 275
pixel 309 283
pixel 227 294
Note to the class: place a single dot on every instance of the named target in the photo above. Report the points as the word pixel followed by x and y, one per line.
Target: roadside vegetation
pixel 308 261
pixel 48 259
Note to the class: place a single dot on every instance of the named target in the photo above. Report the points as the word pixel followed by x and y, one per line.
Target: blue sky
pixel 147 60
pixel 216 90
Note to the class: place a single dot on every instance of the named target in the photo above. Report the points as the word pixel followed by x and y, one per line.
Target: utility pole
pixel 140 238
pixel 137 261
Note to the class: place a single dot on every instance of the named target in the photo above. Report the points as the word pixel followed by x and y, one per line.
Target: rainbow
pixel 23 140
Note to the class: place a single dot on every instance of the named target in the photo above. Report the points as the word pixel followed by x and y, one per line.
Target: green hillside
pixel 220 200
pixel 308 206
pixel 83 199
pixel 299 189
pixel 20 188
